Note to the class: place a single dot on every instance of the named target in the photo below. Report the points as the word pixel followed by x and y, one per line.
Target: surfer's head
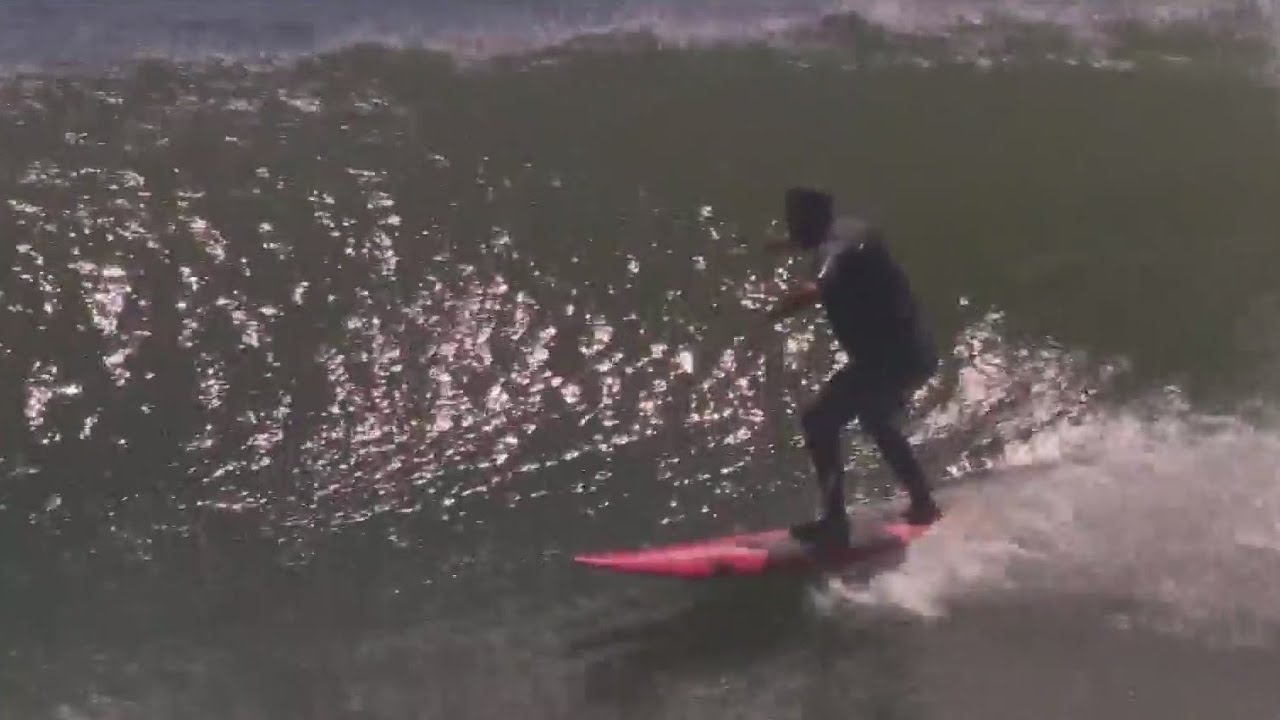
pixel 810 213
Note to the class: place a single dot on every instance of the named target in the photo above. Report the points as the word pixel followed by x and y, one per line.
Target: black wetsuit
pixel 869 304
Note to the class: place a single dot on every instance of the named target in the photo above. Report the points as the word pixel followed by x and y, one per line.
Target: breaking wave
pixel 1088 30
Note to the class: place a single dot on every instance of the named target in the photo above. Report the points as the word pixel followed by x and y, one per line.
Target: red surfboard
pixel 758 553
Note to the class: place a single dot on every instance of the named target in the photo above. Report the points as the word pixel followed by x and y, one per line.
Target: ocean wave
pixel 107 34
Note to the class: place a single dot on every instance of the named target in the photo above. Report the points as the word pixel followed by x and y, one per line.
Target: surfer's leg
pixel 823 422
pixel 880 405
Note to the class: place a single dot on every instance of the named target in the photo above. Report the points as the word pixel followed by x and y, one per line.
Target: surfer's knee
pixel 817 422
pixel 880 423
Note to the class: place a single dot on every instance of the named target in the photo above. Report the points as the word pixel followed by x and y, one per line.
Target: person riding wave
pixel 875 318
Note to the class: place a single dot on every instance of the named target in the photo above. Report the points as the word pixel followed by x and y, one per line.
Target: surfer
pixel 874 316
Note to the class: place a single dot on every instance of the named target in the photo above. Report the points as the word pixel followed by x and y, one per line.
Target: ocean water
pixel 329 332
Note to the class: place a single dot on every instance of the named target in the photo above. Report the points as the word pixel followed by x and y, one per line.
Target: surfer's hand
pixel 794 301
pixel 778 246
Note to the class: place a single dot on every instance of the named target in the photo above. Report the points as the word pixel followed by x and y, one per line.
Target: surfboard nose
pixel 672 563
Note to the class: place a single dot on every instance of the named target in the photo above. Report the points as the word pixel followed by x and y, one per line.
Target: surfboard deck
pixel 759 553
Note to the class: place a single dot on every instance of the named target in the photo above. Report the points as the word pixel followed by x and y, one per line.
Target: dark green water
pixel 313 378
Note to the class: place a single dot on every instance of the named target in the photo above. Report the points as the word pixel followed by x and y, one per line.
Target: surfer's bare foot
pixel 922 513
pixel 829 530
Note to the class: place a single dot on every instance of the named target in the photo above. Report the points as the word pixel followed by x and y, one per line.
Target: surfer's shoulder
pixel 852 234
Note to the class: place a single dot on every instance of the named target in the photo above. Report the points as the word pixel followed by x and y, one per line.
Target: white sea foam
pixel 1174 516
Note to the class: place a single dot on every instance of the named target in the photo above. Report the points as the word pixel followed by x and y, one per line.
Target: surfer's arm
pixel 799 298
pixel 808 294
